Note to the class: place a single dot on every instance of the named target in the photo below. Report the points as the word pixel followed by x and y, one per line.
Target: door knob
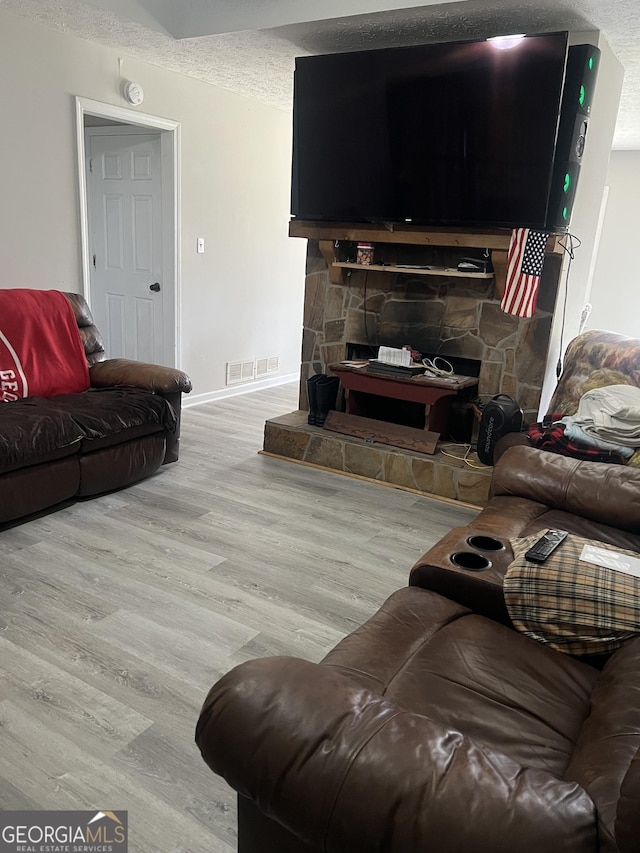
pixel 155 286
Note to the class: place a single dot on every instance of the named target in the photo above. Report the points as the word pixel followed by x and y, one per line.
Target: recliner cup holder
pixel 485 543
pixel 470 561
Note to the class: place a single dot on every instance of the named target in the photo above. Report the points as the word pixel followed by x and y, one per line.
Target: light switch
pixel 200 244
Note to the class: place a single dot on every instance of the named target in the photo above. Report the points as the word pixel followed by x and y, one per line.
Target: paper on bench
pixel 391 355
pixel 611 560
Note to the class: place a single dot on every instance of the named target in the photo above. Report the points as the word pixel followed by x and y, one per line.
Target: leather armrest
pixel 511 439
pixel 344 769
pixel 485 597
pixel 628 817
pixel 479 589
pixel 137 374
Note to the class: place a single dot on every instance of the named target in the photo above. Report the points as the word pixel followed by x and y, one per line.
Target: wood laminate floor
pixel 118 613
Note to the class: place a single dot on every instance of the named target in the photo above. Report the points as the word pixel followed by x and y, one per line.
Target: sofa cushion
pixel 31 489
pixel 445 662
pixel 558 519
pixel 109 416
pixel 121 464
pixel 31 433
pixel 571 605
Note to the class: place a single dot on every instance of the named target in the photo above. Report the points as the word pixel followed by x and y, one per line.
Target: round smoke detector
pixel 133 93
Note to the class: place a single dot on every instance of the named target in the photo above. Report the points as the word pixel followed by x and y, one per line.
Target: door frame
pixel 170 166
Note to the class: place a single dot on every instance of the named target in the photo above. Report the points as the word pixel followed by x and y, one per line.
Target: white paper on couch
pixel 611 560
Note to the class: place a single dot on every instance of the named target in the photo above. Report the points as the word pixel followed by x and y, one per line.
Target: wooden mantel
pixel 412 235
pixel 495 239
pixel 416 235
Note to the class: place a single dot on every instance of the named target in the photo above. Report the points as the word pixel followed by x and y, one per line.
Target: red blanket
pixel 41 353
pixel 549 435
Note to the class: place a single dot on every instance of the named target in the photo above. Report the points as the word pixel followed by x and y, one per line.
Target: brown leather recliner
pixel 66 446
pixel 434 727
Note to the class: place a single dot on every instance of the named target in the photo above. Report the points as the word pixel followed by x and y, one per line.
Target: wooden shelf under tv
pixel 496 240
pixel 411 270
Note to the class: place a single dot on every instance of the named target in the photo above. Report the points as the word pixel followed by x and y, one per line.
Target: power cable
pixel 569 247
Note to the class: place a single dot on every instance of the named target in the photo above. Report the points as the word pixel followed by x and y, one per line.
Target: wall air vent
pixel 267 365
pixel 239 371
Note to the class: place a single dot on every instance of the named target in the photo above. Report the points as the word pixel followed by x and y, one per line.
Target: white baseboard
pixel 189 400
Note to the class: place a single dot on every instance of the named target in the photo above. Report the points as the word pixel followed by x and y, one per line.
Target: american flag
pixel 524 267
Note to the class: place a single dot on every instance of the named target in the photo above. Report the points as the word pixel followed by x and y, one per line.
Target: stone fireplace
pixel 437 315
pixel 349 308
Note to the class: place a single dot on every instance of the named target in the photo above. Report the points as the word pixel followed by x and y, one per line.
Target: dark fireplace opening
pixel 403 412
pixel 353 352
pixel 460 425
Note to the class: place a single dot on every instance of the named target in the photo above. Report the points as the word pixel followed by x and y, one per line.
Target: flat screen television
pixel 458 134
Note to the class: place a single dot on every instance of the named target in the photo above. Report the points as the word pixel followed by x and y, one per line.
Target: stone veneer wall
pixel 435 314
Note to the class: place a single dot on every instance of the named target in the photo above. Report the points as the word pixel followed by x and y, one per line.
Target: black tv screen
pixel 462 133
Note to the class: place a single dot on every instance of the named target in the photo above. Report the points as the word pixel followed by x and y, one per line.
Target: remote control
pixel 545 546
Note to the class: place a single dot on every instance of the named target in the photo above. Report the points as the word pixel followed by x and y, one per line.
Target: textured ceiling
pixel 259 61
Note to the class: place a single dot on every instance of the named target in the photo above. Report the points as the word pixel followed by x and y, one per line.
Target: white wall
pixel 243 297
pixel 615 291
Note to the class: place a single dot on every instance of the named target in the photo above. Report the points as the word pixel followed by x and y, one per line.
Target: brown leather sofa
pixel 437 726
pixel 77 445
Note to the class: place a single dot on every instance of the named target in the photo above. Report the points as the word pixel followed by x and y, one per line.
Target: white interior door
pixel 128 296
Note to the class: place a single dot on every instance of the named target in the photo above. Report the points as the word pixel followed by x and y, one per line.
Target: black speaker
pixel 501 415
pixel 580 81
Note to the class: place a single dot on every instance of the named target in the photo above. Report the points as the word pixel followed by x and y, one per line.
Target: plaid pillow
pixel 573 606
